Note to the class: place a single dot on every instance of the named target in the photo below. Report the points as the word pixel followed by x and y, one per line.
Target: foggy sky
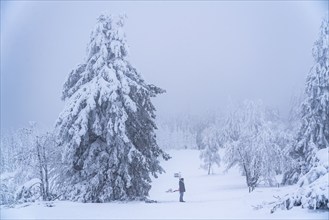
pixel 201 53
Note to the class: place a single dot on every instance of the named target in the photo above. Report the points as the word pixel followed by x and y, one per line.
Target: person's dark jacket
pixel 181 186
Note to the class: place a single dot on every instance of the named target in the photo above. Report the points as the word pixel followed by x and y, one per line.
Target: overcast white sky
pixel 200 52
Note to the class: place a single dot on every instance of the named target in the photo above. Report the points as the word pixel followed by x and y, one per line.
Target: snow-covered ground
pixel 217 196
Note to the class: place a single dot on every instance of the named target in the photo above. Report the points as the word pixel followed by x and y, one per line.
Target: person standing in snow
pixel 181 189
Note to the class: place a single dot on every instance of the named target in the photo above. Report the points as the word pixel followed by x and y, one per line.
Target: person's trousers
pixel 181 194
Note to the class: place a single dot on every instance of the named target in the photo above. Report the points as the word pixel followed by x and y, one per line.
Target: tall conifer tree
pixel 314 132
pixel 107 127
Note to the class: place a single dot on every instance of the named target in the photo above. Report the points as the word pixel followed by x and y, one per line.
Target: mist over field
pixel 153 110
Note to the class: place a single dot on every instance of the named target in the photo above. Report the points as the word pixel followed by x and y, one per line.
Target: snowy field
pixel 218 196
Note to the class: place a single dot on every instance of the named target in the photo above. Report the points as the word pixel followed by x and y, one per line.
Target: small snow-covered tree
pixel 29 166
pixel 107 126
pixel 18 164
pixel 210 153
pixel 250 143
pixel 314 131
pixel 47 163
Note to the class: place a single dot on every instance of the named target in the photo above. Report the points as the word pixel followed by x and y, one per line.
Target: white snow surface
pixel 218 196
pixel 323 156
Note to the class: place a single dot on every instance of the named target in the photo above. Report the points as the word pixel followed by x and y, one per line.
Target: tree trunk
pixel 42 189
pixel 45 172
pixel 247 177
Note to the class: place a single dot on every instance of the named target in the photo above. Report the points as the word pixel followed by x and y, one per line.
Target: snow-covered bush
pixel 29 191
pixel 17 161
pixel 7 188
pixel 312 190
pixel 29 155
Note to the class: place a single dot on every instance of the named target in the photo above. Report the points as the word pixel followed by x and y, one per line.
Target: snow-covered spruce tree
pixel 250 143
pixel 209 154
pixel 314 131
pixel 107 125
pixel 312 145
